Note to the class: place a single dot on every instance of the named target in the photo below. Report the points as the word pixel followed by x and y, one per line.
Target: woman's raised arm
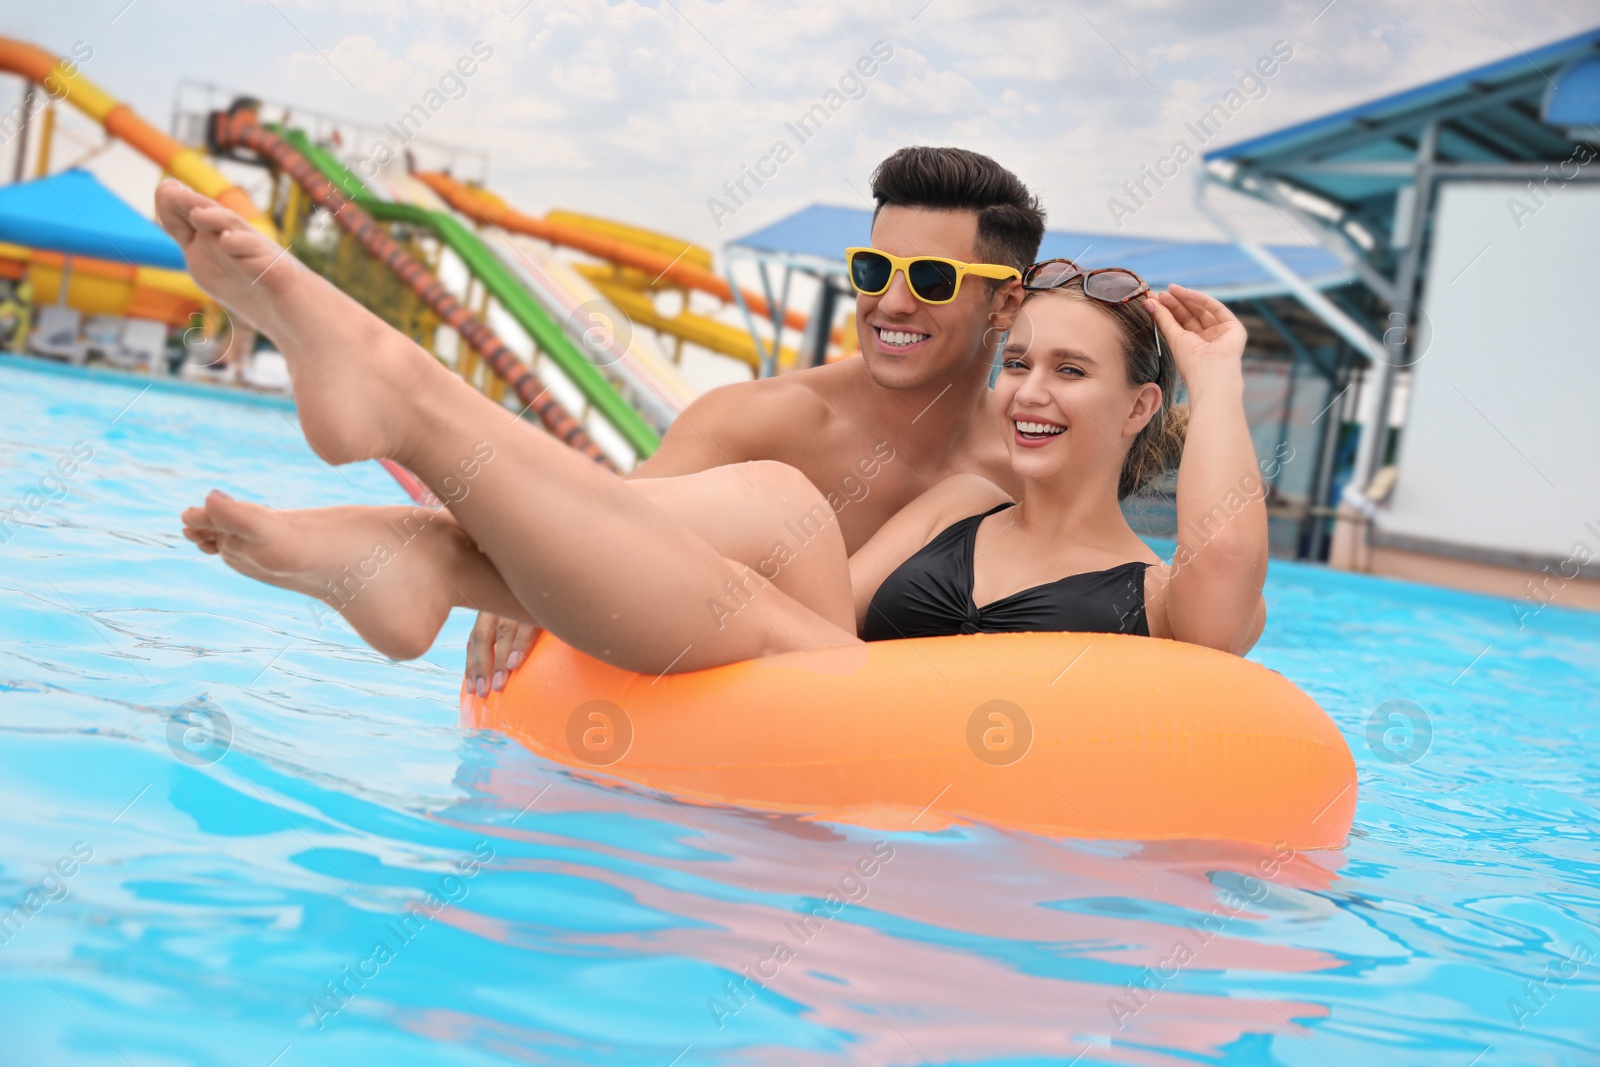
pixel 1212 588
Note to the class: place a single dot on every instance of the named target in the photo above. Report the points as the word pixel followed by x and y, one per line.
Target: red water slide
pixel 487 209
pixel 239 127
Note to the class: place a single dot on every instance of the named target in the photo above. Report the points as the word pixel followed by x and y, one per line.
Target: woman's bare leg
pixel 766 516
pixel 591 559
pixel 395 572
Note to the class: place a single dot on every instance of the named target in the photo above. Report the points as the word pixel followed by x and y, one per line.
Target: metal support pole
pixel 1319 305
pixel 820 324
pixel 780 312
pixel 1375 438
pixel 769 366
pixel 762 355
pixel 21 167
pixel 1300 351
pixel 1341 246
pixel 47 136
pixel 1327 452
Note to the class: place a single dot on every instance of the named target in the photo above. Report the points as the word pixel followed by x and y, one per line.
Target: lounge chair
pixel 143 344
pixel 56 334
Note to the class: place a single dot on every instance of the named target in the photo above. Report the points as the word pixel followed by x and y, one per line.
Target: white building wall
pixel 1501 450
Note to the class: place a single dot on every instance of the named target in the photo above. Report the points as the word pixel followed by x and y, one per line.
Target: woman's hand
pixel 1202 333
pixel 1211 593
pixel 496 648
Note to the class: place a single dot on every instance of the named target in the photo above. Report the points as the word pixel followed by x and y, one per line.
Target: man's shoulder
pixel 800 399
pixel 795 389
pixel 790 418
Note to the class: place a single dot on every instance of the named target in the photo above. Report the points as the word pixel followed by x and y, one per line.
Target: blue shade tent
pixel 1573 102
pixel 822 233
pixel 73 213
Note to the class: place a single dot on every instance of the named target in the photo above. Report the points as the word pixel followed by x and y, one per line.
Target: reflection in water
pixel 267 802
pixel 1041 948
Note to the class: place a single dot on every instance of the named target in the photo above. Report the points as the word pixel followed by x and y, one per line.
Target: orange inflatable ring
pixel 1064 734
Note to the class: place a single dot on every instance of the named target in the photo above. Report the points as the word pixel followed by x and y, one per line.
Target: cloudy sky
pixel 643 110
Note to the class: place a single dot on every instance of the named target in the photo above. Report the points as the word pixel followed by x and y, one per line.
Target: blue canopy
pixel 1217 267
pixel 1510 128
pixel 73 213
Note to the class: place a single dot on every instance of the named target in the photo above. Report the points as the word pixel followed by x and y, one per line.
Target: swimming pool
pixel 236 836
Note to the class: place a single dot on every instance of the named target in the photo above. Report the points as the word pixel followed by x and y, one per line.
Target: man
pixel 872 434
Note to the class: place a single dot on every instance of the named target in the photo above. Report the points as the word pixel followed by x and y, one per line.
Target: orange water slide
pixel 64 80
pixel 102 287
pixel 485 208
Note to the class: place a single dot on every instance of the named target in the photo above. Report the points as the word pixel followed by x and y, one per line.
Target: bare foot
pixel 385 569
pixel 351 372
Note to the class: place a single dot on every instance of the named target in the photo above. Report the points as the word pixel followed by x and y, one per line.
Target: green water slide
pixel 501 283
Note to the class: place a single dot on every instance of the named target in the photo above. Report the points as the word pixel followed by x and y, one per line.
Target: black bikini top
pixel 930 595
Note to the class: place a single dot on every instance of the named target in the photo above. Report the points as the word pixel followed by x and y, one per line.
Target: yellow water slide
pixel 101 287
pixel 98 286
pixel 63 80
pixel 642 264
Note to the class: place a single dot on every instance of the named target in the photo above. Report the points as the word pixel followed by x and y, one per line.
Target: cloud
pixel 643 109
pixel 369 68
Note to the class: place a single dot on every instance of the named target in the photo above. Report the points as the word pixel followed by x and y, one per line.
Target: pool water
pixel 237 836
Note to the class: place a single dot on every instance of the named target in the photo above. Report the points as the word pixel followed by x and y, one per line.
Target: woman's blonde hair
pixel 1159 446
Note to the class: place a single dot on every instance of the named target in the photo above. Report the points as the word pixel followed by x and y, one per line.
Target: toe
pixel 172 209
pixel 205 540
pixel 229 516
pixel 211 218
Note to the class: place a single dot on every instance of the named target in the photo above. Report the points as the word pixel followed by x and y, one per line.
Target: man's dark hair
pixel 1010 219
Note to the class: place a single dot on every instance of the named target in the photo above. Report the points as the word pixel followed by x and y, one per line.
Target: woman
pixel 1086 391
pixel 680 574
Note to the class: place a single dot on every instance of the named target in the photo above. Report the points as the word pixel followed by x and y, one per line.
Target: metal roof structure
pixel 812 241
pixel 818 235
pixel 1527 108
pixel 1362 181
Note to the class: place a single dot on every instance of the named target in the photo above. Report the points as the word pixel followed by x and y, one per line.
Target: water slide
pixel 634 298
pixel 63 80
pixel 628 357
pixel 636 267
pixel 103 287
pixel 354 209
pixel 629 288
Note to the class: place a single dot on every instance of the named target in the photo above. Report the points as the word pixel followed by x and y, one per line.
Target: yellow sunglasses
pixel 933 279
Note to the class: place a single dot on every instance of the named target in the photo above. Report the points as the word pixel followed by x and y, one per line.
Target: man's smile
pixel 891 340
